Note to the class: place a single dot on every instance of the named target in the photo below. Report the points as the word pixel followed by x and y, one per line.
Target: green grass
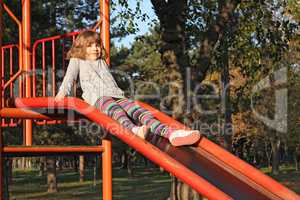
pixel 147 184
pixel 288 176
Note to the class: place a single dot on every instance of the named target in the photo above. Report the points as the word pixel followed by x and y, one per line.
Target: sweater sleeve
pixel 70 76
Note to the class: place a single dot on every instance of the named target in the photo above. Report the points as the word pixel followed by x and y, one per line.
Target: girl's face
pixel 93 51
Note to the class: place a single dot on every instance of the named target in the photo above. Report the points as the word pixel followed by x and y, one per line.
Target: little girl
pixel 101 90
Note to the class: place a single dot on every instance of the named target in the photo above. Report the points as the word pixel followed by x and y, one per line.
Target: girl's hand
pixel 59 96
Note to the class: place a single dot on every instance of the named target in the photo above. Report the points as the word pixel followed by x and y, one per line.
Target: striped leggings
pixel 125 111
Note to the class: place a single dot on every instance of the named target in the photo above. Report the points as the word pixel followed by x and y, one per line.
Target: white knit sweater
pixel 95 80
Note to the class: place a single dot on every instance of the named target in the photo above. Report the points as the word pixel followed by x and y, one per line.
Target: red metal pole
pixel 44 69
pixel 107 154
pixel 26 26
pixel 107 169
pixel 53 69
pixel 54 149
pixel 105 27
pixel 1 139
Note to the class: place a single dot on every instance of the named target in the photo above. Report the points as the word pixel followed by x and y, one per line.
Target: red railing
pixel 49 57
pixel 40 67
pixel 48 64
pixel 5 83
pixel 8 66
pixel 20 44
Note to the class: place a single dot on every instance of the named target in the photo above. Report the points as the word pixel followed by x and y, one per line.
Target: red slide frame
pixel 209 169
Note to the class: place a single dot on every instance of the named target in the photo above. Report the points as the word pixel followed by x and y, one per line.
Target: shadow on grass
pixel 288 176
pixel 147 184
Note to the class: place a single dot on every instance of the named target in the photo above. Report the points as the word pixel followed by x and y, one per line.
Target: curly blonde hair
pixel 82 41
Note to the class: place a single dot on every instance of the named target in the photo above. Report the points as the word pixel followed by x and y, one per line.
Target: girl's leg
pixel 175 136
pixel 137 113
pixel 108 106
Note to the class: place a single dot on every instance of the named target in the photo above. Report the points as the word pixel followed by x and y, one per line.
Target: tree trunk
pixel 42 166
pixel 6 179
pixel 275 156
pixel 286 157
pixel 60 163
pixel 181 191
pixel 99 167
pixel 95 173
pixel 51 174
pixel 10 170
pixel 296 161
pixel 145 161
pixel 267 152
pixel 14 163
pixel 124 159
pixel 26 163
pixel 173 16
pixel 130 163
pixel 173 192
pixel 223 63
pixel 213 34
pixel 81 168
pixel 75 163
pixel 23 161
pixel 19 163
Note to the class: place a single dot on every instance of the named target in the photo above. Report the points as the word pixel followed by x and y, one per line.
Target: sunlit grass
pixel 288 176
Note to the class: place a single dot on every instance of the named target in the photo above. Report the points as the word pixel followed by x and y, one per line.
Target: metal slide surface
pixel 209 169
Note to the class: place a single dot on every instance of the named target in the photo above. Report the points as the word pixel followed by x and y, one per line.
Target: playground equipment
pixel 209 169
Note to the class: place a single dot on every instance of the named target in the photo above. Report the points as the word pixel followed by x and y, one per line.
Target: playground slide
pixel 209 169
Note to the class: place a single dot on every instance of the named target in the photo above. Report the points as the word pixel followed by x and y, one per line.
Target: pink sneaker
pixel 140 131
pixel 184 137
